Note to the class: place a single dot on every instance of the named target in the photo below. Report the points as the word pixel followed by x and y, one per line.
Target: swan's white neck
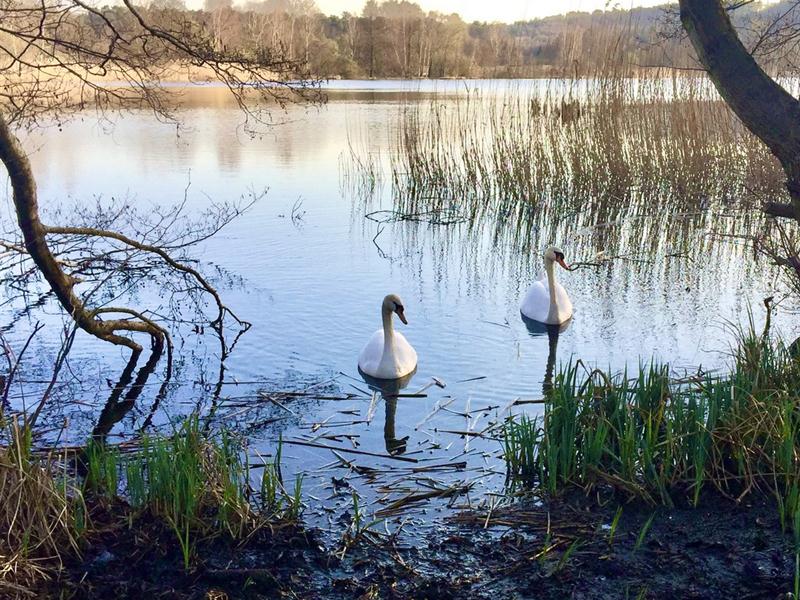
pixel 551 284
pixel 388 330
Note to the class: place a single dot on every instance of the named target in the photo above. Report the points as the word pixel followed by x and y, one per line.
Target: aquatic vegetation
pixel 360 171
pixel 570 142
pixel 618 157
pixel 193 482
pixel 359 528
pixel 197 483
pixel 521 438
pixel 614 524
pixel 797 574
pixel 102 468
pixel 643 532
pixel 274 499
pixel 42 513
pixel 562 562
pixel 664 440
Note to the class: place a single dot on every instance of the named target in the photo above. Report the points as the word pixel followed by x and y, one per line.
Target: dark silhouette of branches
pixel 57 57
pixel 61 56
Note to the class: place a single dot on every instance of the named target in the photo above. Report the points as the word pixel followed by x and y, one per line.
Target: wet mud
pixel 567 549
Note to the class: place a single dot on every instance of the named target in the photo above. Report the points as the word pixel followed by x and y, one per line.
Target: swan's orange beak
pixel 562 263
pixel 402 315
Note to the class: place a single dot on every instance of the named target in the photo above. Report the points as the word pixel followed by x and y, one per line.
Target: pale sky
pixel 497 10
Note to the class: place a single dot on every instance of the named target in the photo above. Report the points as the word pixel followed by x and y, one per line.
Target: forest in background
pixel 398 39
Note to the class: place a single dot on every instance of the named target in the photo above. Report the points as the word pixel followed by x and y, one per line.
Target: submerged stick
pixel 350 450
pixel 467 433
pixel 436 408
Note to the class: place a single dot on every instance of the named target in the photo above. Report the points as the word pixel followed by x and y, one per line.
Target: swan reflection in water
pixel 389 389
pixel 536 329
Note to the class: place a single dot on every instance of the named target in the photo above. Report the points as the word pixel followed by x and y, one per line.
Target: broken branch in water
pixel 442 216
pixel 603 259
pixel 419 496
pixel 350 450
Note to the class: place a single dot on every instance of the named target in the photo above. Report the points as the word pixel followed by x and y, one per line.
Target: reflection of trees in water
pixel 74 259
pixel 120 402
pixel 225 351
pixel 117 405
pixel 82 260
pixel 115 271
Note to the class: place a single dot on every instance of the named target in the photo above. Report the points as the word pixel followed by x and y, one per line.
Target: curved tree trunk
pixel 95 321
pixel 23 186
pixel 34 233
pixel 766 109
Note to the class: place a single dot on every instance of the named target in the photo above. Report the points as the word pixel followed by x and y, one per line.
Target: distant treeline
pixel 397 38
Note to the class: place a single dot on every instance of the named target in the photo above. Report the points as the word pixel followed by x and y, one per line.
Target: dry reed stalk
pixel 40 514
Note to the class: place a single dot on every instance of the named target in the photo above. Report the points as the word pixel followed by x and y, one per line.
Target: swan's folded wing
pixel 370 357
pixel 536 302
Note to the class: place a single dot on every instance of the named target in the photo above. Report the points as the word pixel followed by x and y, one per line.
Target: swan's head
pixel 393 304
pixel 554 254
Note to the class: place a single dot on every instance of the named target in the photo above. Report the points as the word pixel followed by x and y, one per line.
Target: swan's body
pixel 536 304
pixel 387 359
pixel 546 301
pixel 387 354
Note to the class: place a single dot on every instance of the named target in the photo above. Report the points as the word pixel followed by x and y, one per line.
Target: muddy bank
pixel 566 550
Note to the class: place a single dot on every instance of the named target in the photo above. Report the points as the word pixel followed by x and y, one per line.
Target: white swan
pixel 546 300
pixel 388 355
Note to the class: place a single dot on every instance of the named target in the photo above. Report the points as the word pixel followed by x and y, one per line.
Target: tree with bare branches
pixel 60 57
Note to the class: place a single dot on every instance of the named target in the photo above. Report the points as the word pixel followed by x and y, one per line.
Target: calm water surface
pixel 312 288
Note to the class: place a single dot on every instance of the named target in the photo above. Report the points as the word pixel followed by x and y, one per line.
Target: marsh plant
pixel 360 528
pixel 274 498
pixel 42 513
pixel 192 482
pixel 560 156
pixel 665 440
pixel 572 141
pixel 197 483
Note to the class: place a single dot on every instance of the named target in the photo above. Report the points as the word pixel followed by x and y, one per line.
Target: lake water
pixel 312 287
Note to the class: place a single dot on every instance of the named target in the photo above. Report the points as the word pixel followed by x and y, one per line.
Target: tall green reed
pixel 198 483
pixel 665 439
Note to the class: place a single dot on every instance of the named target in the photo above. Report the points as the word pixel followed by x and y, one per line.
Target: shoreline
pixel 564 548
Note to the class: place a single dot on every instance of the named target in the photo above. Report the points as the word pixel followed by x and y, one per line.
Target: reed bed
pixel 42 514
pixel 664 440
pixel 564 144
pixel 559 156
pixel 193 483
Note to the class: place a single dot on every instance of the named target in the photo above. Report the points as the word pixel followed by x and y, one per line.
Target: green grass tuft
pixel 662 439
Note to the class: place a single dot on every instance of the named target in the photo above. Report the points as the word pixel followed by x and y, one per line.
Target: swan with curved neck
pixel 546 300
pixel 388 355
